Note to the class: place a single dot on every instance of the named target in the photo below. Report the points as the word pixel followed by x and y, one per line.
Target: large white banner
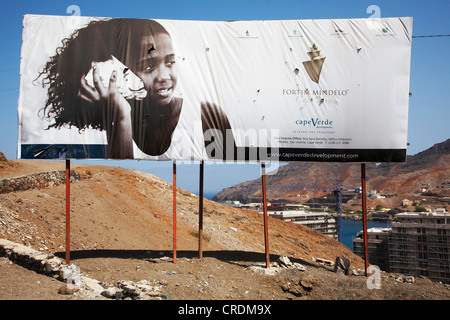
pixel 306 90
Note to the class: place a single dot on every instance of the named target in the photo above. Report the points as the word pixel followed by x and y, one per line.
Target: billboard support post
pixel 266 227
pixel 174 186
pixel 364 212
pixel 67 211
pixel 200 213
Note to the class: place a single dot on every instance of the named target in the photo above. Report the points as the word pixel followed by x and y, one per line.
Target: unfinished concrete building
pixel 419 244
pixel 377 244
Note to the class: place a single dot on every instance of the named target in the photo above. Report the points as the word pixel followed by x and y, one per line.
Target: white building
pixel 320 221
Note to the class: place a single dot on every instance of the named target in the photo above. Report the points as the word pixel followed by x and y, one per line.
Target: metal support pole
pixel 339 216
pixel 364 211
pixel 174 186
pixel 200 214
pixel 338 195
pixel 266 226
pixel 67 211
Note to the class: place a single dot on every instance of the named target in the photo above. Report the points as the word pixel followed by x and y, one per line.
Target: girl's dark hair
pixel 63 72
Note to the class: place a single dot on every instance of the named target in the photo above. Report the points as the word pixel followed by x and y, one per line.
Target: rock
pixel 263 269
pixel 128 287
pixel 342 266
pixel 307 285
pixel 113 293
pixel 36 181
pixel 52 266
pixel 356 272
pixel 299 266
pixel 109 293
pixel 324 261
pixel 299 287
pixel 118 295
pixel 285 262
pixel 292 288
pixel 166 296
pixel 409 279
pixel 71 274
pixel 68 289
pixel 137 291
pixel 163 282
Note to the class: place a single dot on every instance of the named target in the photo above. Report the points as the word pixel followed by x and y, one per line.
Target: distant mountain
pixel 427 168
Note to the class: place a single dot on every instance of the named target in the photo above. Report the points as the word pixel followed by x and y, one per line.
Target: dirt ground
pixel 122 229
pixel 215 277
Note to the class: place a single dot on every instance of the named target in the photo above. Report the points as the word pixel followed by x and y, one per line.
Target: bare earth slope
pixel 121 229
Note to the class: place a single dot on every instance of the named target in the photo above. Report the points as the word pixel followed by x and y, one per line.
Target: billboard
pixel 292 90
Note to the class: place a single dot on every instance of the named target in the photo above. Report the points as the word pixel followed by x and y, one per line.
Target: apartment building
pixel 377 244
pixel 419 244
pixel 320 221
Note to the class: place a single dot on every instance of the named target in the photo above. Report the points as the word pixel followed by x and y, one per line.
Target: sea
pixel 349 227
pixel 209 195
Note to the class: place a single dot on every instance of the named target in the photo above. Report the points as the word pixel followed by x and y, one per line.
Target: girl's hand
pixel 116 113
pixel 101 96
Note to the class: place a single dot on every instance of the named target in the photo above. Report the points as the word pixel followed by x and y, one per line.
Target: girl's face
pixel 156 67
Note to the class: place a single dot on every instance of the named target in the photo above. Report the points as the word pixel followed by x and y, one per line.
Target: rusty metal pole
pixel 266 226
pixel 364 211
pixel 174 186
pixel 200 213
pixel 67 211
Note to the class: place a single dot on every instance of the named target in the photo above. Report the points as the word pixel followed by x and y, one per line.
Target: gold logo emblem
pixel 314 66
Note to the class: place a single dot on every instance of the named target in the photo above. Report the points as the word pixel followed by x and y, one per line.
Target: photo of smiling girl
pixel 148 122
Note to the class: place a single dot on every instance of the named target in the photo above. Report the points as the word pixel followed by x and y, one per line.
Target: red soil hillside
pixel 115 208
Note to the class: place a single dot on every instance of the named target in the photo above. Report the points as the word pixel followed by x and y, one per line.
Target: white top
pixel 187 139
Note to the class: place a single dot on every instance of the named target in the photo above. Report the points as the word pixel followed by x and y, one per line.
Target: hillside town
pixel 416 239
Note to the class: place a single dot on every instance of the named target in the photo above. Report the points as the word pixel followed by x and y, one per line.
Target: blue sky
pixel 429 104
